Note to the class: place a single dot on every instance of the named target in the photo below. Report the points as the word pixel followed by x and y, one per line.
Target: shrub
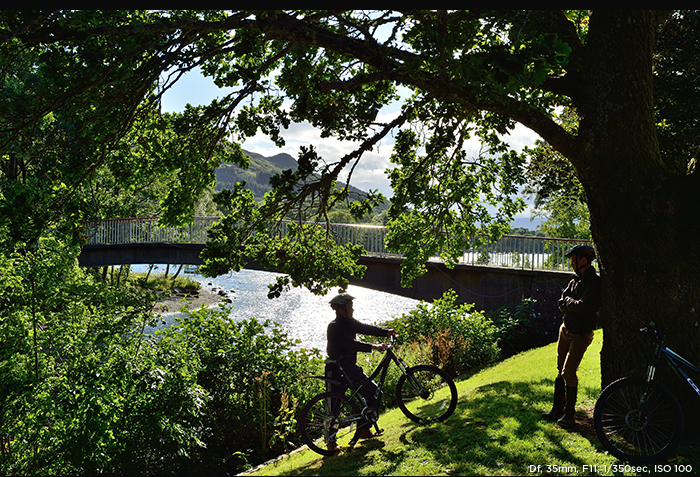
pixel 251 373
pixel 455 338
pixel 85 392
pixel 512 321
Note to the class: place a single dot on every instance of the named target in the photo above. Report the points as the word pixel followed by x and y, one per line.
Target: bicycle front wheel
pixel 329 421
pixel 638 421
pixel 426 394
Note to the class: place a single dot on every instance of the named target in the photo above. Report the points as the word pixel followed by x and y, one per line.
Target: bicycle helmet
pixel 341 299
pixel 582 251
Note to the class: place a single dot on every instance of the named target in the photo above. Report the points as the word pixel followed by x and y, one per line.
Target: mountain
pixel 257 175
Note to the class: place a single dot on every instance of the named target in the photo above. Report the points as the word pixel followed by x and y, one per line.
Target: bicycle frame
pixel 675 361
pixel 381 371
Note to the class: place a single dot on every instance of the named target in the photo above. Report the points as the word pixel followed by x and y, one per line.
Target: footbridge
pixel 506 271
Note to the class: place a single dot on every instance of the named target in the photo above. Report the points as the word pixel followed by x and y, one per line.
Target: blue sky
pixel 195 89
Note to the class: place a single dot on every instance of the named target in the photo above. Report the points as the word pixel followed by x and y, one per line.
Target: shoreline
pixel 207 297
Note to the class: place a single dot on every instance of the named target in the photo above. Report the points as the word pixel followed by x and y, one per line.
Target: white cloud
pixel 370 173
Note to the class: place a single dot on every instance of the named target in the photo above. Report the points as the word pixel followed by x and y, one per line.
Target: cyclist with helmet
pixel 579 302
pixel 343 347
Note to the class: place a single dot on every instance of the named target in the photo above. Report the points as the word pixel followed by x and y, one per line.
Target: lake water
pixel 304 315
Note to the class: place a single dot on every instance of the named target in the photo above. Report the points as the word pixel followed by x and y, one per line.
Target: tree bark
pixel 644 220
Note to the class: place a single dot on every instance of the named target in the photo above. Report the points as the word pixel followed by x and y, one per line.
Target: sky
pixel 196 89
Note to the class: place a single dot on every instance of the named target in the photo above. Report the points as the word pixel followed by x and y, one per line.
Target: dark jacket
pixel 580 302
pixel 342 333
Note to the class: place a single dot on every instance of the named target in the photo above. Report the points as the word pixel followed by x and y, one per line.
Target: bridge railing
pixel 515 251
pixel 145 230
pixel 524 252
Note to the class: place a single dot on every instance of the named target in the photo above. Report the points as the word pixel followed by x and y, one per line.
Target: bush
pixel 85 392
pixel 251 374
pixel 512 323
pixel 455 338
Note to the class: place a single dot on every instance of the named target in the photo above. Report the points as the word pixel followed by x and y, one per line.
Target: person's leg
pixel 559 391
pixel 368 391
pixel 577 347
pixel 332 371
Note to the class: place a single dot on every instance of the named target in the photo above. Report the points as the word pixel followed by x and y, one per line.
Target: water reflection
pixel 302 313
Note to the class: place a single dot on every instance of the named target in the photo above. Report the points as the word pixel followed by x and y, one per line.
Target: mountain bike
pixel 638 419
pixel 424 393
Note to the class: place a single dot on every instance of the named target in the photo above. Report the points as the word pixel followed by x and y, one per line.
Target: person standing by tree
pixel 343 346
pixel 579 302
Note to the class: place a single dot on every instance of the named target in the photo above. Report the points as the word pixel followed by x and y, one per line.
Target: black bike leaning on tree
pixel 424 393
pixel 639 420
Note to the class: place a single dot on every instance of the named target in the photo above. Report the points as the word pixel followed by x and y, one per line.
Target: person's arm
pixel 365 329
pixel 589 301
pixel 565 297
pixel 372 330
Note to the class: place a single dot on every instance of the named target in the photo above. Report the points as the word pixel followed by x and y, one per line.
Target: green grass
pixel 496 430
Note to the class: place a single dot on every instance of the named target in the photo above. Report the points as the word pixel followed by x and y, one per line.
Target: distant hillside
pixel 258 175
pixel 262 168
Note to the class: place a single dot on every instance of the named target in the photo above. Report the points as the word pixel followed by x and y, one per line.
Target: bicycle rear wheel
pixel 638 422
pixel 426 393
pixel 329 420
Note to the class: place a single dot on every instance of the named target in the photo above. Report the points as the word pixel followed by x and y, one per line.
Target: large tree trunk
pixel 644 221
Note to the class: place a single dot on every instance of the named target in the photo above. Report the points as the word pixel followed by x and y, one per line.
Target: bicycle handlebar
pixel 656 334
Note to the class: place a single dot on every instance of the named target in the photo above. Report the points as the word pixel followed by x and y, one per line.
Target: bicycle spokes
pixel 330 420
pixel 426 393
pixel 638 421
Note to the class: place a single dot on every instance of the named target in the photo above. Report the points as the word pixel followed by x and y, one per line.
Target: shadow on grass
pixel 499 428
pixel 496 428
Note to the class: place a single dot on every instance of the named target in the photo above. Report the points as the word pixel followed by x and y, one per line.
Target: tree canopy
pixel 82 90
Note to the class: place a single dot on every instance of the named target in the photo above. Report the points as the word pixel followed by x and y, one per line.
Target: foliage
pixel 307 252
pixel 445 191
pixel 677 95
pixel 82 133
pixel 86 392
pixel 80 104
pixel 565 218
pixel 75 366
pixel 250 373
pixel 457 338
pixel 511 322
pixel 558 195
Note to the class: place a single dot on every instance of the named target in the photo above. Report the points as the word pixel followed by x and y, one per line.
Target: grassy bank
pixel 496 430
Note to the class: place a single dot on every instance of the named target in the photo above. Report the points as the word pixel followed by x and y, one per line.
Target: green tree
pixel 558 195
pixel 82 135
pixel 676 92
pixel 471 74
pixel 565 218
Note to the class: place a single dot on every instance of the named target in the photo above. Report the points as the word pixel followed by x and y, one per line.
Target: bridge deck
pixel 142 240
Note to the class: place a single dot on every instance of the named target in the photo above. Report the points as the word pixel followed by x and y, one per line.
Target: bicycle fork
pixel 636 419
pixel 417 387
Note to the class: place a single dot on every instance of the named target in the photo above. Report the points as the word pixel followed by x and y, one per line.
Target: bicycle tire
pixel 629 436
pixel 320 429
pixel 426 394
